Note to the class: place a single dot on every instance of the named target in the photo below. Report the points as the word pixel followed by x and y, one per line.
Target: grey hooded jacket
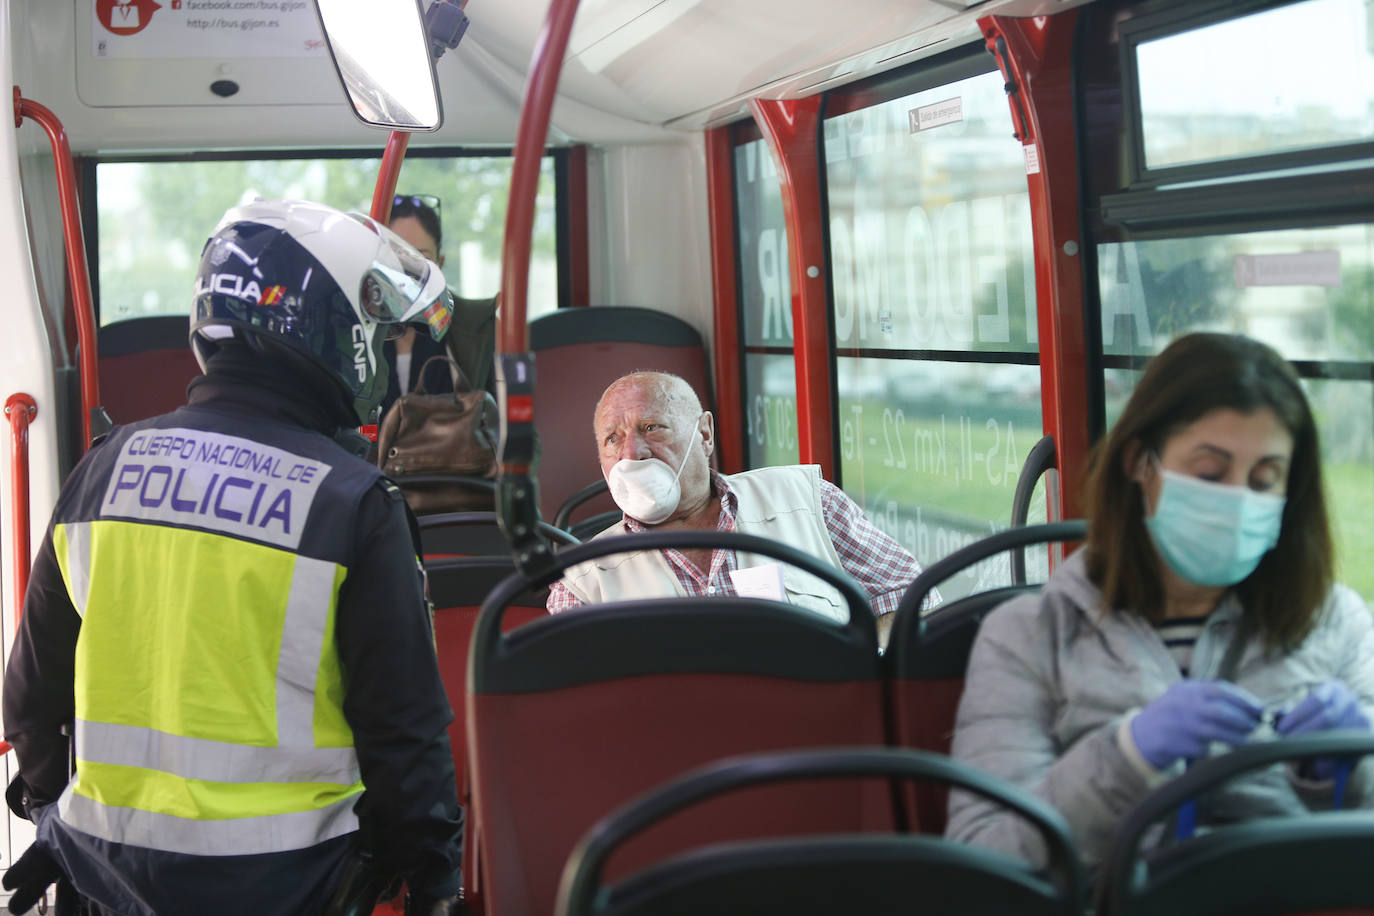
pixel 1052 680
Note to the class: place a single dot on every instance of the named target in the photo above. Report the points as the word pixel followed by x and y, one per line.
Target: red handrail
pixel 78 274
pixel 388 174
pixel 20 409
pixel 545 65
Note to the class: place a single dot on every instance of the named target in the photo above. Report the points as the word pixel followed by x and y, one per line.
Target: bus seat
pixel 145 365
pixel 578 352
pixel 576 713
pixel 457 588
pixel 586 528
pixel 1312 863
pixel 823 874
pixel 928 654
pixel 472 534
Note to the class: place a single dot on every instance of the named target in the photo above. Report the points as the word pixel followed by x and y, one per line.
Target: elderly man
pixel 655 443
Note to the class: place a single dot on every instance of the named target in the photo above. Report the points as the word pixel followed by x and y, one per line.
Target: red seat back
pixel 145 365
pixel 578 352
pixel 597 705
pixel 927 655
pixel 457 588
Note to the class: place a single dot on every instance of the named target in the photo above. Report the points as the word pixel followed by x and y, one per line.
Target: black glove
pixel 363 884
pixel 30 877
pixel 419 903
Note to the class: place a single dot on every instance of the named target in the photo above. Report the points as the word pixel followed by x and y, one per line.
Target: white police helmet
pixel 329 285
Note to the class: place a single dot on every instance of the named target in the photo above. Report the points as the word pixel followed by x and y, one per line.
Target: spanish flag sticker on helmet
pixel 438 315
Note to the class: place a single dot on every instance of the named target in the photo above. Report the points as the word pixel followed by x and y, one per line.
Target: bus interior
pixel 925 245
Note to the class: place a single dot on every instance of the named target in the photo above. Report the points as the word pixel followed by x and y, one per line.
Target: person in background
pixel 655 443
pixel 471 341
pixel 1201 605
pixel 415 218
pixel 228 613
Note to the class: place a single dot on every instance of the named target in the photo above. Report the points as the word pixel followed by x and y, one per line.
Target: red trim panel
pixel 725 349
pixel 1037 63
pixel 791 128
pixel 579 258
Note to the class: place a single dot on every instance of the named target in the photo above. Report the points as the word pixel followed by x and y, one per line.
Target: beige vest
pixel 782 503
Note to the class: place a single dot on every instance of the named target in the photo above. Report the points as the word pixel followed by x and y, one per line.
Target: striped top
pixel 1180 634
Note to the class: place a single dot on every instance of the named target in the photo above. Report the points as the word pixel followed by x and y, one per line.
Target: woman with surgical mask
pixel 1200 614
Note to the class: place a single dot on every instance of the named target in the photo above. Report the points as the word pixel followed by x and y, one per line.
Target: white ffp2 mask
pixel 646 489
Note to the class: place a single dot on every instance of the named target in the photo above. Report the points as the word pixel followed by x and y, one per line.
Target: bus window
pixel 1203 98
pixel 765 305
pixel 934 309
pixel 154 216
pixel 1243 213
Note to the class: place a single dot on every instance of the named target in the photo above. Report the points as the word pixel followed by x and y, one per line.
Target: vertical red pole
pixel 388 175
pixel 1036 59
pixel 545 65
pixel 78 274
pixel 20 409
pixel 726 349
pixel 791 128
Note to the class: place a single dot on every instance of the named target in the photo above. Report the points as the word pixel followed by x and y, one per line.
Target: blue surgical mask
pixel 1213 533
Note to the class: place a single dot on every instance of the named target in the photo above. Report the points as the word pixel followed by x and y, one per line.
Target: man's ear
pixel 707 428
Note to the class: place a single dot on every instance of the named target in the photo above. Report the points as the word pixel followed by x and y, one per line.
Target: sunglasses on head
pixel 416 200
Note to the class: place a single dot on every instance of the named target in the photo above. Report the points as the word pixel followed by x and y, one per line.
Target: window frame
pixel 1176 17
pixel 89 192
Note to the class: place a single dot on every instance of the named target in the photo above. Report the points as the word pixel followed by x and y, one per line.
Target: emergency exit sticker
pixel 950 111
pixel 1300 268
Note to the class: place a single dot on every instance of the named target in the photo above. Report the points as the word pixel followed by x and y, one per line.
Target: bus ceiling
pixel 636 71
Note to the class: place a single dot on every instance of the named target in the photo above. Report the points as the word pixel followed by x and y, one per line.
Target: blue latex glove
pixel 1330 705
pixel 1189 717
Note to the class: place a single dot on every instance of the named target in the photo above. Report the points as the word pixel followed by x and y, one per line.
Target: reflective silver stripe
pixel 216 761
pixel 302 638
pixel 79 563
pixel 231 837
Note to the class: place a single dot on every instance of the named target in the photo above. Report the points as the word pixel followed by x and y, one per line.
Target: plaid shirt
pixel 882 567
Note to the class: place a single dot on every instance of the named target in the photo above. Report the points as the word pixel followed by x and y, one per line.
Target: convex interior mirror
pixel 382 53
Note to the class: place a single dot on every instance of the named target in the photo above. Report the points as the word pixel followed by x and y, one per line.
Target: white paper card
pixel 759 582
pixel 1032 154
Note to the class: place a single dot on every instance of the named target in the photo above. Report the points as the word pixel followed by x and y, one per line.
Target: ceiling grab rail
pixel 93 418
pixel 517 493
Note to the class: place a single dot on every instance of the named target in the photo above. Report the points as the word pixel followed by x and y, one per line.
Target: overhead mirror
pixel 382 54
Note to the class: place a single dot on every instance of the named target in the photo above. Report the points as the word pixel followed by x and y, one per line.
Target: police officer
pixel 228 615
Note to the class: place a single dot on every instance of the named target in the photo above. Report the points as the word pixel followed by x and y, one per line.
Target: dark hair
pixel 414 205
pixel 1194 375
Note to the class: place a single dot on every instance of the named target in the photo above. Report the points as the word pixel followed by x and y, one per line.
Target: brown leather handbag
pixel 440 449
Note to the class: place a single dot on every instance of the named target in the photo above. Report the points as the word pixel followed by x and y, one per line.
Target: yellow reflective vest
pixel 206 567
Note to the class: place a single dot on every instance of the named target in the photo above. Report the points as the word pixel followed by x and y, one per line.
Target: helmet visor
pixel 403 286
